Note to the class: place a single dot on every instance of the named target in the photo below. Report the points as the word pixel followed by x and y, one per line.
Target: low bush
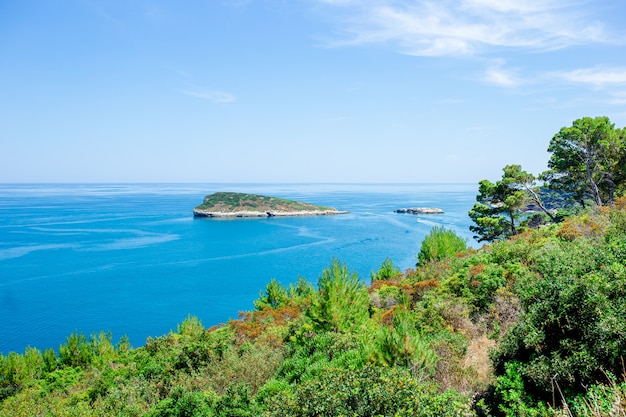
pixel 439 244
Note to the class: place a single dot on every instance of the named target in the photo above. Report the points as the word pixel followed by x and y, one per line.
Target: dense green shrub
pixel 182 403
pixel 62 379
pixel 369 391
pixel 250 365
pixel 440 243
pixel 312 353
pixel 342 301
pixel 198 347
pixel 571 331
pixel 76 351
pixel 606 399
pixel 274 296
pixel 236 402
pixel 510 397
pixel 387 271
pixel 18 371
pixel 80 351
pixel 402 343
pixel 484 282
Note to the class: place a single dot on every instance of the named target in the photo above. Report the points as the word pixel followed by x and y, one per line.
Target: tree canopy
pixel 588 160
pixel 587 164
pixel 496 212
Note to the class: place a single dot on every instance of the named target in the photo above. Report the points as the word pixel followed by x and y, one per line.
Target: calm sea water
pixel 132 260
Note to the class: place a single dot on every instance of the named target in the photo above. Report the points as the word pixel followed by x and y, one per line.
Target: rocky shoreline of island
pixel 419 210
pixel 242 205
pixel 253 214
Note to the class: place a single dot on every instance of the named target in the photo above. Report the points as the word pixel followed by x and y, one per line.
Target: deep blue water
pixel 131 259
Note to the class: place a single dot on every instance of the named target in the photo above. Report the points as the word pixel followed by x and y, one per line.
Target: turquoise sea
pixel 132 260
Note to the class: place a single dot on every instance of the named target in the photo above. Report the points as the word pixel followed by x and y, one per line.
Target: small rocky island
pixel 420 210
pixel 229 205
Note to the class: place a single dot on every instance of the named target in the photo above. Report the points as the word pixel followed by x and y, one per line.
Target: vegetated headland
pixel 229 205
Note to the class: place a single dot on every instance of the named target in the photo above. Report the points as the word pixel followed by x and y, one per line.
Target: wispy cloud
pixel 466 27
pixel 618 98
pixel 498 75
pixel 193 90
pixel 211 95
pixel 597 77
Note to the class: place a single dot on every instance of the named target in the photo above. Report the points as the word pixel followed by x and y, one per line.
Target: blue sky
pixel 299 90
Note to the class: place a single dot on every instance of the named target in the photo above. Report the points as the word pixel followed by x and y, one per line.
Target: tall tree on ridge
pixel 526 182
pixel 496 212
pixel 587 159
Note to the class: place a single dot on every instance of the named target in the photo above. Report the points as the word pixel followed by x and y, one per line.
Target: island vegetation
pixel 531 324
pixel 229 204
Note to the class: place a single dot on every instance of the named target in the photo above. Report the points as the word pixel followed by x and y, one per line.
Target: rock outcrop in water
pixel 233 205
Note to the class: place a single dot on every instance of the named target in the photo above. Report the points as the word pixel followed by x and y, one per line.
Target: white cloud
pixel 500 77
pixel 496 74
pixel 210 95
pixel 598 77
pixel 527 6
pixel 466 27
pixel 194 90
pixel 618 98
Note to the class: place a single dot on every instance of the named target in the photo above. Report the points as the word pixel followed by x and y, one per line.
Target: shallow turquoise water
pixel 131 259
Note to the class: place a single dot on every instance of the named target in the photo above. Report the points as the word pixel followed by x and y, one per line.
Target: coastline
pixel 253 214
pixel 420 210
